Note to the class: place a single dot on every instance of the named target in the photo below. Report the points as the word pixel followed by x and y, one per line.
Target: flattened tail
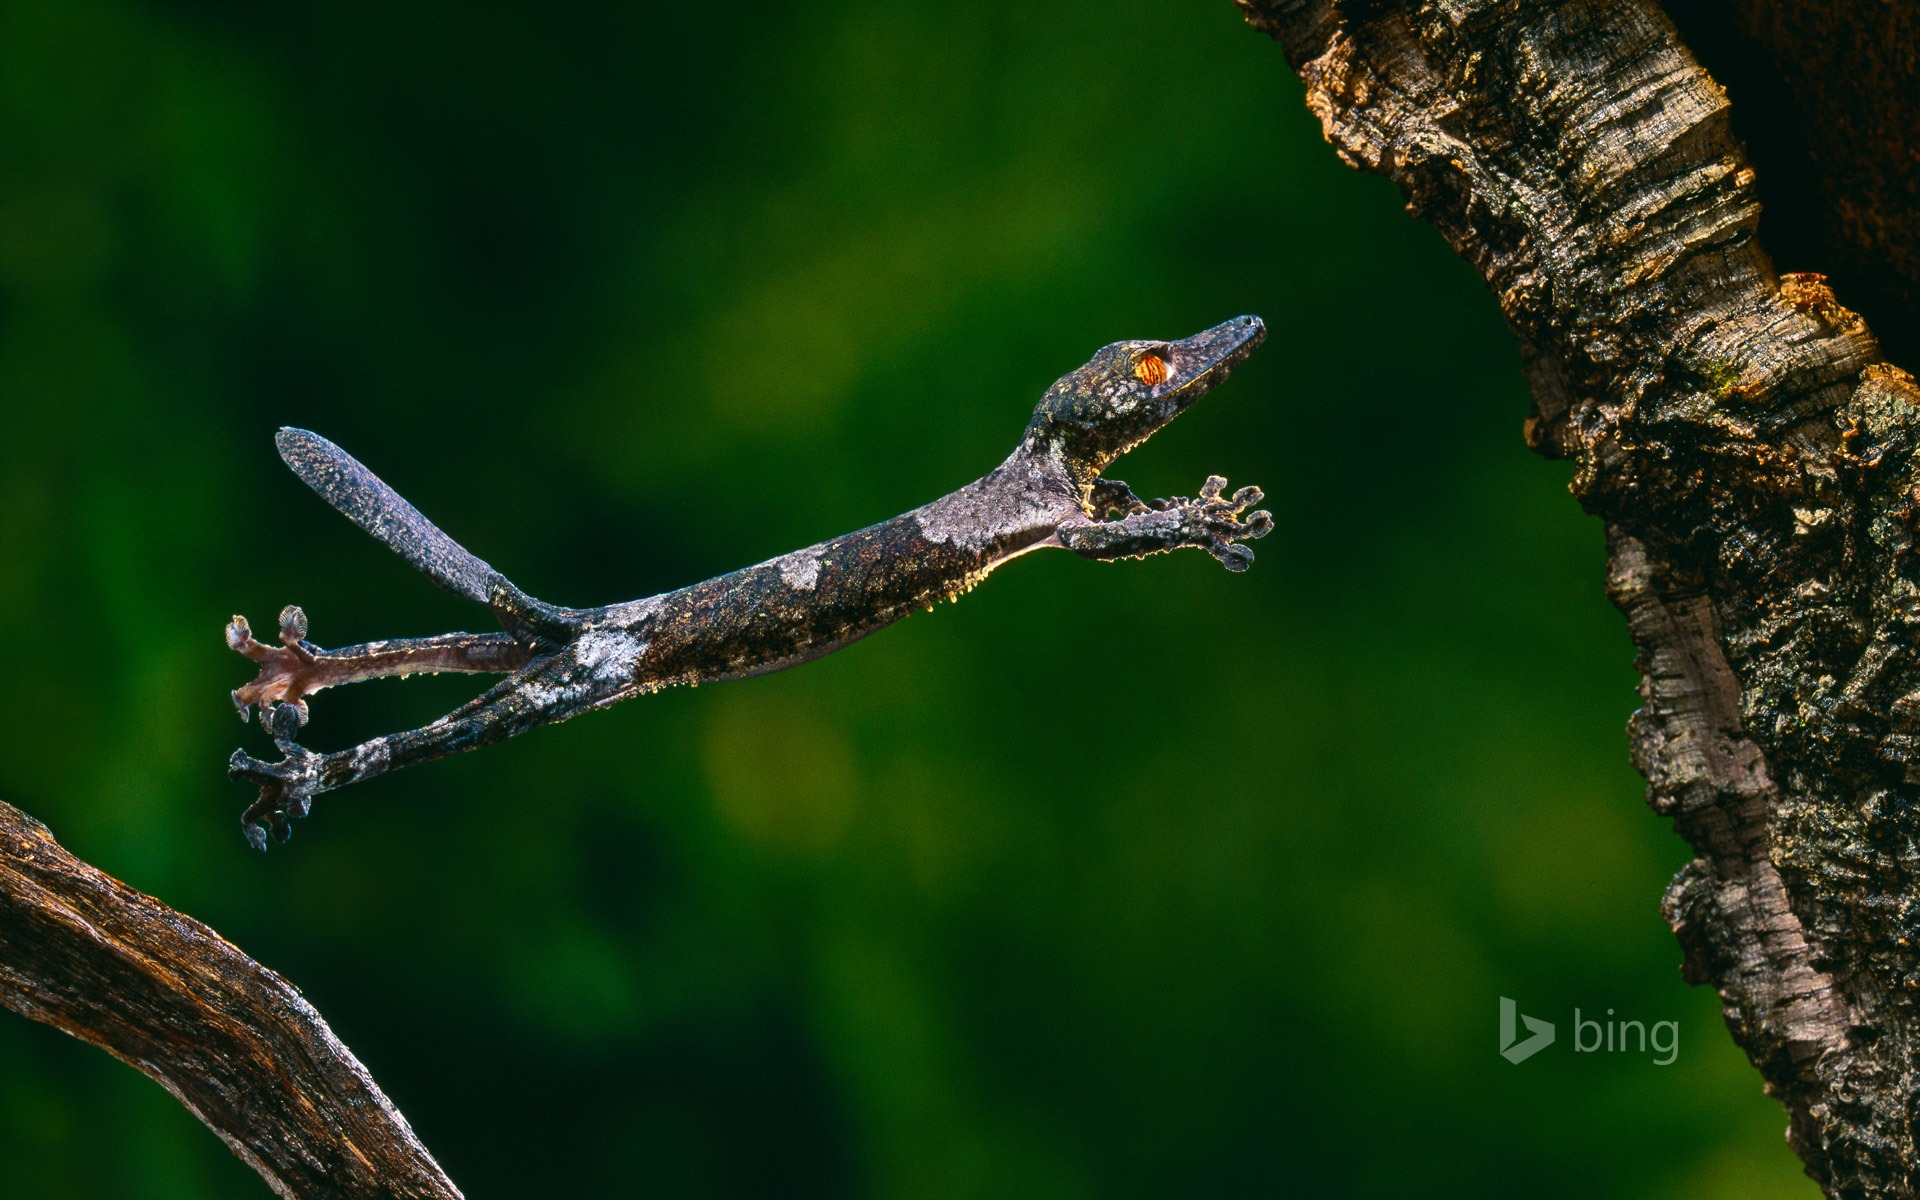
pixel 363 499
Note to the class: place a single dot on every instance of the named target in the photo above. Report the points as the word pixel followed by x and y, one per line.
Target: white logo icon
pixel 1513 1050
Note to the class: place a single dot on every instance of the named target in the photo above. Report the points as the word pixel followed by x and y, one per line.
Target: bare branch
pixel 231 1040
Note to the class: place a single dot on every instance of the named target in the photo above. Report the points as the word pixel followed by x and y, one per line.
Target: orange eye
pixel 1150 369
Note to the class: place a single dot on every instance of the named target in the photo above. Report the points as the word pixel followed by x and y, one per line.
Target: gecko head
pixel 1128 391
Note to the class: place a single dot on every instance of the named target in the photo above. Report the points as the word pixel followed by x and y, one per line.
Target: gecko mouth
pixel 1202 361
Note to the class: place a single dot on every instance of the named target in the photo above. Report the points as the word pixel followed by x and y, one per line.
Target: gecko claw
pixel 284 722
pixel 1233 556
pixel 242 766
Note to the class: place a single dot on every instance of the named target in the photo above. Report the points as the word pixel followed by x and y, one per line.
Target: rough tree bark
pixel 1827 96
pixel 231 1040
pixel 1753 461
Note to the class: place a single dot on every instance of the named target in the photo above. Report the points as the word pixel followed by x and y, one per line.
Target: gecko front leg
pixel 1209 521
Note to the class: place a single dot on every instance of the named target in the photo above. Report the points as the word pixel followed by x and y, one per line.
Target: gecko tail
pixel 369 503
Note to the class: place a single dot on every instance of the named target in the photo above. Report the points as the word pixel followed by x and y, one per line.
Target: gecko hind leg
pixel 546 688
pixel 295 669
pixel 288 787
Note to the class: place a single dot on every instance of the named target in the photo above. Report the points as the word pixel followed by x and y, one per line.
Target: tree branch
pixel 231 1040
pixel 1753 461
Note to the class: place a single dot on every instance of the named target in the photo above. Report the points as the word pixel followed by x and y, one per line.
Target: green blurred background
pixel 626 296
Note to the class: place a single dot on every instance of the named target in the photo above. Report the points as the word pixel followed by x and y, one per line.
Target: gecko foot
pixel 287 789
pixel 287 671
pixel 1214 522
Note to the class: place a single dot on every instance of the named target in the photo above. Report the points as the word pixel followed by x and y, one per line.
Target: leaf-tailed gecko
pixel 560 662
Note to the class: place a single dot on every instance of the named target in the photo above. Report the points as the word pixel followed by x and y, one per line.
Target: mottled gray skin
pixel 1048 493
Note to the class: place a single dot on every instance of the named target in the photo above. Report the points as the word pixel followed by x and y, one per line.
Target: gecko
pixel 1050 492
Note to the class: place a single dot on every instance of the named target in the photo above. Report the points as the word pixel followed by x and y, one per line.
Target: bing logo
pixel 1662 1039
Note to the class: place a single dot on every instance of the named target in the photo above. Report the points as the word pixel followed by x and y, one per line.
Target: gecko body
pixel 560 662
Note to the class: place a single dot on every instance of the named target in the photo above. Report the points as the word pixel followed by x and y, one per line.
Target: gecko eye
pixel 1149 368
